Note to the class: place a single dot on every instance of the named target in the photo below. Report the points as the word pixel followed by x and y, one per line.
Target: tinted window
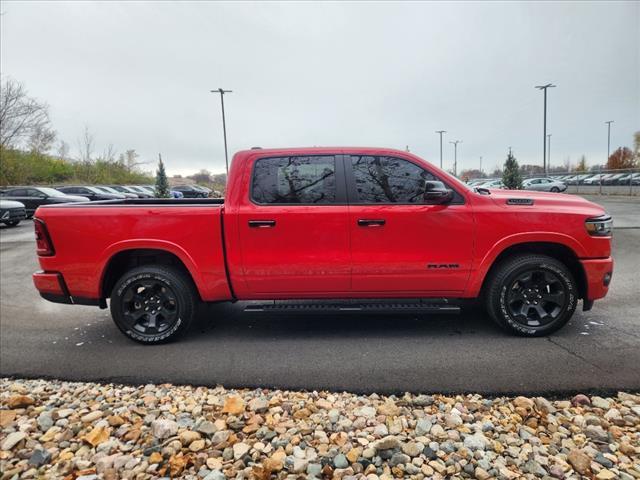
pixel 389 180
pixel 310 180
pixel 19 192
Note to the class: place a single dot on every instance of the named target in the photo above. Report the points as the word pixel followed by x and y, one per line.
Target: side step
pixel 354 306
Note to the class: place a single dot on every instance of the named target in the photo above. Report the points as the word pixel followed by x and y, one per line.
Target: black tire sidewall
pixel 568 309
pixel 173 281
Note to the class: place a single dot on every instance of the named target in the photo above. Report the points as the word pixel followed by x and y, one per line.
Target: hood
pixel 10 204
pixel 556 202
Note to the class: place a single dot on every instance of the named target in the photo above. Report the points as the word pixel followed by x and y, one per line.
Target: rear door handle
pixel 262 223
pixel 368 222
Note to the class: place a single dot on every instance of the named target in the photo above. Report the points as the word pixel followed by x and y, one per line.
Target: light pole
pixel 609 122
pixel 221 91
pixel 480 164
pixel 455 156
pixel 548 150
pixel 544 134
pixel 441 132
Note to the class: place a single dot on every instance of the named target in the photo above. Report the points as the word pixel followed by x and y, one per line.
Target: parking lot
pixel 598 350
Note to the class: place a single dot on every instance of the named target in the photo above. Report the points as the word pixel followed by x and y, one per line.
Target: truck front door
pixel 401 246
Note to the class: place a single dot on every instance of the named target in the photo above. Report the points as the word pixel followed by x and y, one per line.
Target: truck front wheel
pixel 153 304
pixel 531 295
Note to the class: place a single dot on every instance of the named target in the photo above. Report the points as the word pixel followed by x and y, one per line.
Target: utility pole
pixel 544 134
pixel 548 150
pixel 455 156
pixel 609 122
pixel 480 164
pixel 441 132
pixel 221 91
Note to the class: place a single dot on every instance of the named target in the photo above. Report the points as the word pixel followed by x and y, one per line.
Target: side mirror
pixel 435 193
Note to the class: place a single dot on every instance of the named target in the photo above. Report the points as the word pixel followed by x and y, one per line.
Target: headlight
pixel 599 226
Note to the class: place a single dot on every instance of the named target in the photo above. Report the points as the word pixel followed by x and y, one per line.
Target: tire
pixel 141 290
pixel 555 189
pixel 13 223
pixel 539 285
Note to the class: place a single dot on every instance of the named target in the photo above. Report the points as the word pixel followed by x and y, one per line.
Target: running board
pixel 441 306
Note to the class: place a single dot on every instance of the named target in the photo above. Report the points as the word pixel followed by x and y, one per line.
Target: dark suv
pixel 192 191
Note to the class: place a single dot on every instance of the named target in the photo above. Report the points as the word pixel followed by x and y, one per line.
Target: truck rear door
pixel 293 228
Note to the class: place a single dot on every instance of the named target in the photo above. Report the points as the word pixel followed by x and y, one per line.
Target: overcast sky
pixel 304 74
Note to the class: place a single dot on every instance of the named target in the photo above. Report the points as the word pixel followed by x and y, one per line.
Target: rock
pixel 39 457
pixel 534 468
pixel 259 404
pixel 340 461
pixel 605 475
pixel 162 429
pixel 188 436
pixel 602 460
pixel 12 440
pixel 91 416
pixel 19 401
pixel 580 462
pixel 423 426
pixel 380 430
pixel 387 443
pixel 476 441
pixel 523 402
pixel 367 412
pixel 556 471
pixel 452 421
pixel 240 449
pixel 544 405
pixel 399 459
pixel 580 399
pixel 233 405
pixel 215 475
pixel 206 428
pixel 45 422
pixel 412 449
pixel 389 408
pixel 155 457
pixel 437 431
pixel 422 400
pixel 481 474
pixel 197 445
pixel 599 402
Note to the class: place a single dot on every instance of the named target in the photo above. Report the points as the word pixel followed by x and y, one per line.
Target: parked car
pixel 125 189
pixel 476 181
pixel 630 178
pixel 597 179
pixel 11 212
pixel 191 191
pixel 492 184
pixel 330 224
pixel 90 192
pixel 113 190
pixel 34 197
pixel 613 179
pixel 543 185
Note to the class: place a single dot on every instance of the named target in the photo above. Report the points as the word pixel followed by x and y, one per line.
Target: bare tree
pixel 85 145
pixel 41 140
pixel 131 157
pixel 109 153
pixel 63 150
pixel 21 116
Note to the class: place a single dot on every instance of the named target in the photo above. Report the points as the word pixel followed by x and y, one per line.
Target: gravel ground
pixel 52 429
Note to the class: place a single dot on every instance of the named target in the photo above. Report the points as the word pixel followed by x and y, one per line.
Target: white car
pixel 544 184
pixel 12 213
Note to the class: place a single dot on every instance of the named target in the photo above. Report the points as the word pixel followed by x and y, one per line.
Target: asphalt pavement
pixel 597 351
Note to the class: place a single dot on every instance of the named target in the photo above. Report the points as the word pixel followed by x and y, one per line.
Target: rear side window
pixel 302 180
pixel 388 180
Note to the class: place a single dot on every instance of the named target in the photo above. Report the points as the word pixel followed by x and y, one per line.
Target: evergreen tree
pixel 511 174
pixel 162 184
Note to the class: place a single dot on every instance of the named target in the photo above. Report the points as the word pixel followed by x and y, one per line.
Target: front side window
pixel 303 180
pixel 388 180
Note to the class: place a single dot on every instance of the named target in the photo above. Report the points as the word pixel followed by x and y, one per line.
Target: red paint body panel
pixel 47 282
pixel 320 251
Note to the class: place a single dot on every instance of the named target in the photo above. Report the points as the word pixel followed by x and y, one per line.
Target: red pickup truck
pixel 329 230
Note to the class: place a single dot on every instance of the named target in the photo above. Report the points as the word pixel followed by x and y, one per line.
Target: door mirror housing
pixel 436 193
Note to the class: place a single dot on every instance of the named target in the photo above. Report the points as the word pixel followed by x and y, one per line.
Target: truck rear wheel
pixel 153 304
pixel 531 295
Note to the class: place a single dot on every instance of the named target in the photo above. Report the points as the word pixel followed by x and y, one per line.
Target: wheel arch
pixel 124 260
pixel 559 251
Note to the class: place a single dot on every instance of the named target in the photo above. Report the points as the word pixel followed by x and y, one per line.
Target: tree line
pixel 31 153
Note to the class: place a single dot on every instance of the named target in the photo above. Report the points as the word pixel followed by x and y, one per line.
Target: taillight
pixel 44 247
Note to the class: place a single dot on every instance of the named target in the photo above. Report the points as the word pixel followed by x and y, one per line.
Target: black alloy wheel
pixel 530 294
pixel 153 304
pixel 536 297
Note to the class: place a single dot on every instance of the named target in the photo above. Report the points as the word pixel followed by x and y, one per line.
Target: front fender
pixel 477 279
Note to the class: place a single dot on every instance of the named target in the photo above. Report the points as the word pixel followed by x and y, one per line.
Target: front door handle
pixel 368 222
pixel 262 223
